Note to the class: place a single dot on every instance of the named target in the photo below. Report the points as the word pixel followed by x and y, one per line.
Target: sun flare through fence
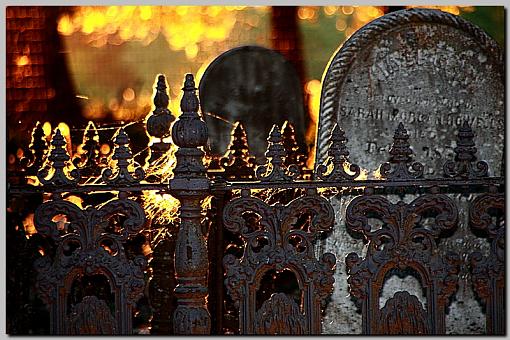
pixel 189 242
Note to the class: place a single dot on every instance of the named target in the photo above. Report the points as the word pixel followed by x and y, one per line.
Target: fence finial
pixel 190 185
pixel 275 170
pixel 122 154
pixel 88 163
pixel 338 154
pixel 465 165
pixel 59 159
pixel 189 101
pixel 294 154
pixel 237 161
pixel 38 148
pixel 401 158
pixel 189 131
pixel 160 120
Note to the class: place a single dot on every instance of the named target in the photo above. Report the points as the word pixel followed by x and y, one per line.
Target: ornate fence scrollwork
pixel 89 242
pixel 337 159
pixel 274 239
pixel 59 159
pixel 264 236
pixel 465 164
pixel 397 169
pixel 488 273
pixel 402 243
pixel 275 170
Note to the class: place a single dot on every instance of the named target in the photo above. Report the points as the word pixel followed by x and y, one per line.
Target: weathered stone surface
pixel 431 71
pixel 425 68
pixel 463 316
pixel 253 85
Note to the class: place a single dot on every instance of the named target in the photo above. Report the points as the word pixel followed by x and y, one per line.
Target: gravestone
pixel 256 86
pixel 426 68
pixel 429 70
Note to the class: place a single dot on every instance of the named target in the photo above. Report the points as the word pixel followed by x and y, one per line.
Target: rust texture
pixel 89 242
pixel 402 243
pixel 159 121
pixel 237 162
pixel 400 166
pixel 274 239
pixel 338 154
pixel 190 185
pixel 487 214
pixel 465 165
pixel 263 227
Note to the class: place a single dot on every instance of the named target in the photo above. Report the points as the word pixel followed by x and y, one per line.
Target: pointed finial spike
pixel 465 164
pixel 161 99
pixel 237 162
pixel 238 127
pixel 401 165
pixel 58 157
pixel 338 154
pixel 161 81
pixel 189 82
pixel 189 101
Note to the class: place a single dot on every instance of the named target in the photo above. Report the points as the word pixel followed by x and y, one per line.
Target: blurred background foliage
pixel 115 52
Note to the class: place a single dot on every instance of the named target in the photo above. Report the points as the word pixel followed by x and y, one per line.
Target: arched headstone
pixel 426 68
pixel 429 70
pixel 256 86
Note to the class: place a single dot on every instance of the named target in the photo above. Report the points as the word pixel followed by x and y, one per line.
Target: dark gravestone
pixel 426 68
pixel 430 70
pixel 256 86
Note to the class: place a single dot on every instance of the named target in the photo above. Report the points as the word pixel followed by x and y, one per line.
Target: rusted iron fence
pixel 240 256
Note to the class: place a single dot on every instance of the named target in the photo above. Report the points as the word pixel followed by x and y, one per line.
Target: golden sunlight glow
pixel 128 94
pixel 377 173
pixel 161 208
pixel 313 89
pixel 118 24
pixel 347 10
pixel 64 129
pixel 75 199
pixel 22 60
pixel 66 132
pixel 351 18
pixel 28 225
pixel 363 175
pixel 104 149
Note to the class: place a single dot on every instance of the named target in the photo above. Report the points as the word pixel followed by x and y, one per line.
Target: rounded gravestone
pixel 426 68
pixel 256 86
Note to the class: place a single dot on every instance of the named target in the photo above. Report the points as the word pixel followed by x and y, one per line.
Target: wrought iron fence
pixel 242 255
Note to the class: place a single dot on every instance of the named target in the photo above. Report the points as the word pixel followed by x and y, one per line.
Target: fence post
pixel 190 185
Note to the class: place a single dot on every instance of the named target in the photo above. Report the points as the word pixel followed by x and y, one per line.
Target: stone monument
pixel 426 68
pixel 431 71
pixel 256 86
